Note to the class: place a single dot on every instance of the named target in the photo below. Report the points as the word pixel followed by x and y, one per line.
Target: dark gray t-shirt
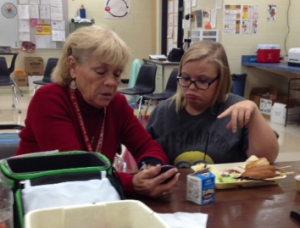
pixel 184 137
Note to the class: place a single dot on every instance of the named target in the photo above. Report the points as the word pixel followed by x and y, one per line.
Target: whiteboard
pixel 9 29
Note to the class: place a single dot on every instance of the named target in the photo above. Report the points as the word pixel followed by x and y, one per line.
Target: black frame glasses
pixel 187 81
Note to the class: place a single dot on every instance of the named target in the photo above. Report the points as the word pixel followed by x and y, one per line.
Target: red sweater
pixel 52 124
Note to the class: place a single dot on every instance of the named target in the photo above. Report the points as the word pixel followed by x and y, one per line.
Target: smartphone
pixel 165 168
pixel 296 215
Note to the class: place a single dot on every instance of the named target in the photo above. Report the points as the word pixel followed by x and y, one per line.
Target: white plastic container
pixel 126 213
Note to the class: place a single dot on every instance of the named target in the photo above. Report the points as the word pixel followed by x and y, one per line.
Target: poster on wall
pixel 117 9
pixel 232 19
pixel 250 19
pixel 272 11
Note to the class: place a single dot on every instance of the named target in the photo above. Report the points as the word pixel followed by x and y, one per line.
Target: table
pixel 164 69
pixel 265 206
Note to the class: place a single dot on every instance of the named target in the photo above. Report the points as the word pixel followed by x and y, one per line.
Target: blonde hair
pixel 215 54
pixel 98 41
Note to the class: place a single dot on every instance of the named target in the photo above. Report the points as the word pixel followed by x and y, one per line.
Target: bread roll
pixel 259 162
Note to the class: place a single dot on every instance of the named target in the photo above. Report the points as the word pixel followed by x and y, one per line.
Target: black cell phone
pixel 165 168
pixel 296 215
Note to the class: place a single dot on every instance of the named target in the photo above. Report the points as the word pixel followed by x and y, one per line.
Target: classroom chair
pixel 169 91
pixel 145 84
pixel 135 68
pixel 11 71
pixel 7 80
pixel 51 64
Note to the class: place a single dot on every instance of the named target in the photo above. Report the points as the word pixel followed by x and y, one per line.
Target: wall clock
pixel 9 10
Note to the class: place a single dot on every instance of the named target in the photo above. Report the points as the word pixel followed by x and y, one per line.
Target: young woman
pixel 204 121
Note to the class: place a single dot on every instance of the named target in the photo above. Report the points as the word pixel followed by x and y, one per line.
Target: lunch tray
pixel 242 183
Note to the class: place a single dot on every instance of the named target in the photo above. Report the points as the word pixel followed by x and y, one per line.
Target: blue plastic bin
pixel 239 81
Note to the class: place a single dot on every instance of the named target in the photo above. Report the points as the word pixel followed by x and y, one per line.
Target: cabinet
pixel 164 69
pixel 201 34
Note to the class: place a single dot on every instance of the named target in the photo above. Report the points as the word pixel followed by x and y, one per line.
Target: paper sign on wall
pixel 43 29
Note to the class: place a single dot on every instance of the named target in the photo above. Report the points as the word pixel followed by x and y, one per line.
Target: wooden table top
pixel 264 206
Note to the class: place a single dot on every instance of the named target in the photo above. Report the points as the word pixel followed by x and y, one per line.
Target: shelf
pixel 282 66
pixel 76 25
pixel 92 21
pixel 292 115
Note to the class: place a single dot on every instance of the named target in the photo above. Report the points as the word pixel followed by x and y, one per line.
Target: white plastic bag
pixel 68 194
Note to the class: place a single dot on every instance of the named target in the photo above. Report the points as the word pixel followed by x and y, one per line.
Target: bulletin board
pixel 13 35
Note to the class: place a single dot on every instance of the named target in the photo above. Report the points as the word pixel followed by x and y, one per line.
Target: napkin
pixel 185 220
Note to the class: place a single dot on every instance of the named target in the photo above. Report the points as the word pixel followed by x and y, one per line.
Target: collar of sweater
pixel 85 107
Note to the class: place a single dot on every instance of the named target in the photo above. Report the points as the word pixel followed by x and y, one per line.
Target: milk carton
pixel 201 188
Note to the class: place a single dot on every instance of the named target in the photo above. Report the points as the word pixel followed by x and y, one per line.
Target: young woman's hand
pixel 240 113
pixel 150 183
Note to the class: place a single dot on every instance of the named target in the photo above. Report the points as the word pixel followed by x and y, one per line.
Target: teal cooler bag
pixel 45 180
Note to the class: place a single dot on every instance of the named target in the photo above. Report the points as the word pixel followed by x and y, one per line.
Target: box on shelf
pixel 34 65
pixel 265 106
pixel 268 53
pixel 20 78
pixel 201 188
pixel 278 113
pixel 264 97
pixel 126 213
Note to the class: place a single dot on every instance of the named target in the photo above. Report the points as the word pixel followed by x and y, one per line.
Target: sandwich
pixel 260 162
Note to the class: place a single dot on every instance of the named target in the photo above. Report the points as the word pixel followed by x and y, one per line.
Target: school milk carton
pixel 201 188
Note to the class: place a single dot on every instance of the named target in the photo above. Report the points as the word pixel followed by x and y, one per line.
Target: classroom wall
pixel 268 33
pixel 138 31
pixel 142 33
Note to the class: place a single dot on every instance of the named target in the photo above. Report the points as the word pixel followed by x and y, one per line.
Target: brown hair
pixel 98 41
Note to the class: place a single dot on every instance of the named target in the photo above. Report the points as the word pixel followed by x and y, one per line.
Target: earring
pixel 73 84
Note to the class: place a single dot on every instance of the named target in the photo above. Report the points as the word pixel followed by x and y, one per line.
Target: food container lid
pixel 268 46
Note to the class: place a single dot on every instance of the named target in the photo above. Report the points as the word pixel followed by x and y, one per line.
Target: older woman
pixel 82 110
pixel 204 121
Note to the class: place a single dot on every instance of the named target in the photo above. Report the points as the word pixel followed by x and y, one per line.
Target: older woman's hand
pixel 241 113
pixel 149 183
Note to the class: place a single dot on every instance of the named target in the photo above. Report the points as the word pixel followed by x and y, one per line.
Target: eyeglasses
pixel 200 84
